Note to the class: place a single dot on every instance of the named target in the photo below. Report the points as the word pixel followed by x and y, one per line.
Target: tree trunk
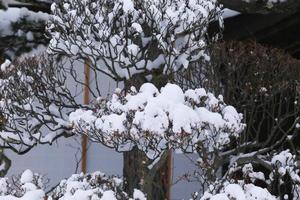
pixel 154 182
pixel 5 162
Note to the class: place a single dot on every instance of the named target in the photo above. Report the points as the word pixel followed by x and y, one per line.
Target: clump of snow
pixel 283 159
pixel 227 13
pixel 5 66
pixel 138 195
pixel 285 163
pixel 26 177
pixel 29 36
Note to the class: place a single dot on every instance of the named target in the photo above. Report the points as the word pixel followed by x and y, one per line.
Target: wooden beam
pixel 276 30
pixel 262 6
pixel 169 170
pixel 86 100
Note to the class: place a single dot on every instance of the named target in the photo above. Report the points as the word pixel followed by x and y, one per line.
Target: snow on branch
pixel 34 103
pixel 126 37
pixel 158 120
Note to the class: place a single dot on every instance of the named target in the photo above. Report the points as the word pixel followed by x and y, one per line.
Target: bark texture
pixel 154 182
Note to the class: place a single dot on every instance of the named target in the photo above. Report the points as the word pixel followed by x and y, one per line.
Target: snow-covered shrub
pixel 126 37
pixel 276 174
pixel 34 96
pixel 263 84
pixel 38 107
pixel 158 120
pixel 28 186
pixel 285 176
pixel 155 121
pixel 95 186
pixel 236 192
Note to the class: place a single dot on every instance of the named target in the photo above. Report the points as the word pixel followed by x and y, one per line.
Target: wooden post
pixel 169 175
pixel 86 100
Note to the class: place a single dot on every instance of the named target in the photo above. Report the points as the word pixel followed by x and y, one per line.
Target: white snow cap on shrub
pixel 157 120
pixel 95 186
pixel 236 192
pixel 89 186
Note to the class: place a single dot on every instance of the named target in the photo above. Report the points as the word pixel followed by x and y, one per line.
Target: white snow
pixel 26 177
pixel 227 13
pixel 108 195
pixel 138 195
pixel 236 192
pixel 5 65
pixel 156 120
pixel 128 6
